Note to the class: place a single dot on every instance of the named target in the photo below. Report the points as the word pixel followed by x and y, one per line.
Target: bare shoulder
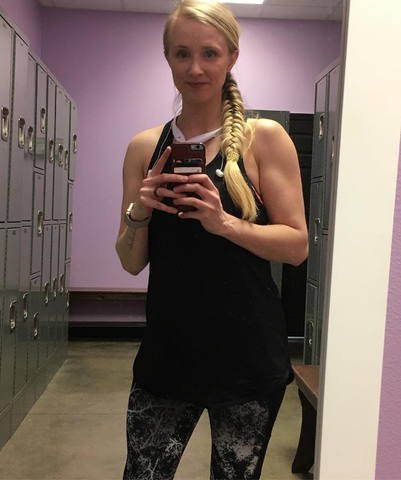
pixel 141 148
pixel 269 137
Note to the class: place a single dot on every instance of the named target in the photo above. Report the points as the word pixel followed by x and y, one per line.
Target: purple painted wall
pixel 27 15
pixel 113 66
pixel 388 466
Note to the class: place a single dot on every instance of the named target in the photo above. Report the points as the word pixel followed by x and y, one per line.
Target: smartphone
pixel 187 159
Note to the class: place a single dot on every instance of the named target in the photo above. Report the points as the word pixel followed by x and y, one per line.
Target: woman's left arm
pixel 285 239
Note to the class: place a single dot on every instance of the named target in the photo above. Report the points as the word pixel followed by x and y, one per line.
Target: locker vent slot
pixel 43 120
pixel 5 123
pixel 25 306
pixel 30 140
pixel 21 132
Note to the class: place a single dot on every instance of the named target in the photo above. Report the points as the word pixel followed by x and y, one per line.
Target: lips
pixel 196 84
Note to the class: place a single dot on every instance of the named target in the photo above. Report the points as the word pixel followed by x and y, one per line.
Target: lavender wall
pixel 113 66
pixel 27 15
pixel 388 466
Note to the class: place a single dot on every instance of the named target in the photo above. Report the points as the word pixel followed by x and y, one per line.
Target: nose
pixel 195 67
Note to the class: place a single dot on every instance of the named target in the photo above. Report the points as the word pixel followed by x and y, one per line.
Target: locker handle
pixel 13 311
pixel 43 120
pixel 317 230
pixel 60 155
pixel 5 123
pixel 51 148
pixel 61 283
pixel 25 306
pixel 310 334
pixel 70 222
pixel 47 291
pixel 74 143
pixel 30 140
pixel 54 288
pixel 36 325
pixel 68 299
pixel 66 159
pixel 40 223
pixel 321 126
pixel 21 132
pixel 332 148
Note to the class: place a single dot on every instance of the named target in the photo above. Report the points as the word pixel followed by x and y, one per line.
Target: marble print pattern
pixel 158 431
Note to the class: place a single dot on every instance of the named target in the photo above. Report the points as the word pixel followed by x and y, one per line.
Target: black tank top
pixel 216 332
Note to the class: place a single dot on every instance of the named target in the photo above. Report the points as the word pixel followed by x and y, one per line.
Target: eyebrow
pixel 207 47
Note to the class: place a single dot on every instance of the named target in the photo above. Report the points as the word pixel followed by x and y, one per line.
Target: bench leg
pixel 305 456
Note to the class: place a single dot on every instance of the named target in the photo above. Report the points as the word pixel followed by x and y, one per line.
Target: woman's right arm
pixel 132 244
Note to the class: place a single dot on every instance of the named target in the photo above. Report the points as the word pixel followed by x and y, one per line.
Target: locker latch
pixel 13 315
pixel 21 132
pixel 5 123
pixel 25 306
pixel 43 120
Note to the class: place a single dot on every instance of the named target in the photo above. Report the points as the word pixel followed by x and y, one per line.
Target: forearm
pixel 278 243
pixel 132 249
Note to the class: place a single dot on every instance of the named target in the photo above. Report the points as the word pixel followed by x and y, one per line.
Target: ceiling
pixel 278 9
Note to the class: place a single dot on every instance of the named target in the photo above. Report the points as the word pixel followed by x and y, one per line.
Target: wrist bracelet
pixel 135 223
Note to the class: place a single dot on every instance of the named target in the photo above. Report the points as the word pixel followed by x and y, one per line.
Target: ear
pixel 233 60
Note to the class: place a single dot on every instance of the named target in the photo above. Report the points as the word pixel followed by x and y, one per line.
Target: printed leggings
pixel 158 431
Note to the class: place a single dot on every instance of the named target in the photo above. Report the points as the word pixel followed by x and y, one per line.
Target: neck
pixel 196 119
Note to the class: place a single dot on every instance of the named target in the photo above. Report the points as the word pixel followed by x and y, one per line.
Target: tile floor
pixel 76 430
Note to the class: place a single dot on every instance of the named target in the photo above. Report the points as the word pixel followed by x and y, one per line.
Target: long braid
pixel 237 136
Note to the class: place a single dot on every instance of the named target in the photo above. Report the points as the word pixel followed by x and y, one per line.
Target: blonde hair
pixel 237 134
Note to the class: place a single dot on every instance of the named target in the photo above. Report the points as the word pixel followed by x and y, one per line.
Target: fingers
pixel 202 179
pixel 158 167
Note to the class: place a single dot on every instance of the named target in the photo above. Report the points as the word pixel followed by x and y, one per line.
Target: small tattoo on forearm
pixel 131 242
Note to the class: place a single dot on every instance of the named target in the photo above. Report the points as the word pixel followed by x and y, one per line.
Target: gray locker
pixel 2 279
pixel 310 323
pixel 320 129
pixel 319 323
pixel 50 147
pixel 67 297
pixel 35 308
pixel 73 142
pixel 6 64
pixel 23 311
pixel 54 288
pixel 37 227
pixel 315 221
pixel 61 283
pixel 60 142
pixel 66 136
pixel 69 220
pixel 41 111
pixel 19 131
pixel 44 331
pixel 9 336
pixel 331 125
pixel 29 149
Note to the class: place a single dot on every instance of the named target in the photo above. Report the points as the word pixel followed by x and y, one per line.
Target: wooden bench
pixel 307 380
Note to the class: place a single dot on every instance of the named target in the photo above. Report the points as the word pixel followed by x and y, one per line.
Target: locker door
pixel 41 118
pixel 50 147
pixel 34 319
pixel 319 317
pixel 60 153
pixel 6 70
pixel 19 134
pixel 66 136
pixel 9 338
pixel 331 125
pixel 320 129
pixel 23 311
pixel 2 279
pixel 315 221
pixel 61 283
pixel 29 150
pixel 70 221
pixel 54 289
pixel 67 298
pixel 73 142
pixel 46 291
pixel 37 230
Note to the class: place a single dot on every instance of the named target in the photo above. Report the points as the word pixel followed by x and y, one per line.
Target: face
pixel 199 60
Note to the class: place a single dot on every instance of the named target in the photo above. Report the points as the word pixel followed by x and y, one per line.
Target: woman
pixel 216 336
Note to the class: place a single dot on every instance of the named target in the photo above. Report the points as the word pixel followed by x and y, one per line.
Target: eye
pixel 210 53
pixel 182 54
